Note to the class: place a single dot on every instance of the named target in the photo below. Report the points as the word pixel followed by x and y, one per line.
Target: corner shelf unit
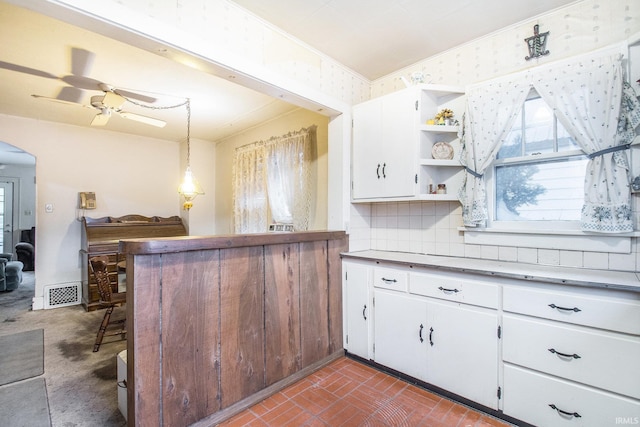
pixel 432 172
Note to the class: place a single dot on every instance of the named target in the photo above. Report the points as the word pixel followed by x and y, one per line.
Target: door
pixel 358 308
pixel 6 216
pixel 401 333
pixel 463 351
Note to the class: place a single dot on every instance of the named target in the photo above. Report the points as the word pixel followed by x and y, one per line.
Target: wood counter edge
pixel 162 245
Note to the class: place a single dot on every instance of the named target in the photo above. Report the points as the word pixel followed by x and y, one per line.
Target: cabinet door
pixel 400 335
pixel 463 351
pixel 367 153
pixel 400 143
pixel 357 308
pixel 385 146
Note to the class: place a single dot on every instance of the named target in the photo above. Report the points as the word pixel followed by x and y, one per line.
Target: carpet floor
pixel 81 385
pixel 24 404
pixel 21 356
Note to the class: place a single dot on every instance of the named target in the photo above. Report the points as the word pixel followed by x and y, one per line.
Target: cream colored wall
pixel 579 28
pixel 129 174
pixel 291 122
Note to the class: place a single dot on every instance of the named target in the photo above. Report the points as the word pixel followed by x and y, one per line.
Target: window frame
pixel 570 226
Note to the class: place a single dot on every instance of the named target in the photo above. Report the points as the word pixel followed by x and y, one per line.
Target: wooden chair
pixel 108 298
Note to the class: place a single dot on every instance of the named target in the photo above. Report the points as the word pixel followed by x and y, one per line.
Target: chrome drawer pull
pixel 561 412
pixel 389 280
pixel 574 309
pixel 448 291
pixel 574 356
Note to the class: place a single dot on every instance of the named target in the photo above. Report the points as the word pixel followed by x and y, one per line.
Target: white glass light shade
pixel 189 188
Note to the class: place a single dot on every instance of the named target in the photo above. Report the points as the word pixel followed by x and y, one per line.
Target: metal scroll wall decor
pixel 537 43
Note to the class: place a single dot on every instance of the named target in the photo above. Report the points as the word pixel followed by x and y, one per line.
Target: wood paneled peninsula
pixel 218 323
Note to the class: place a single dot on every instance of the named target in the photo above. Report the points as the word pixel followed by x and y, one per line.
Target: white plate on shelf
pixel 442 151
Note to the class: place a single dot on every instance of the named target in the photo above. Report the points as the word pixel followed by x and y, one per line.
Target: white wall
pixel 293 121
pixel 129 174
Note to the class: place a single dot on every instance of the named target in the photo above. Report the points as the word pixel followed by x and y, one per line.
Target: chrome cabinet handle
pixel 420 333
pixel 378 171
pixel 449 291
pixel 568 356
pixel 431 336
pixel 574 309
pixel 364 312
pixel 565 413
pixel 385 280
pixel 384 166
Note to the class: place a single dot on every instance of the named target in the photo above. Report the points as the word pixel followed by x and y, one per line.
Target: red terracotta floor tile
pixel 347 393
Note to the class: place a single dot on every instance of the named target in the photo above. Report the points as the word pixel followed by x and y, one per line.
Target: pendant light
pixel 190 187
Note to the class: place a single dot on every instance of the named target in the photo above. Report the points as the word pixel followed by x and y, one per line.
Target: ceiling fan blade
pixel 113 100
pixel 70 94
pixel 143 119
pixel 102 118
pixel 61 101
pixel 133 95
pixel 81 61
pixel 26 70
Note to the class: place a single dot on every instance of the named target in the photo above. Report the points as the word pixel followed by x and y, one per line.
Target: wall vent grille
pixel 61 295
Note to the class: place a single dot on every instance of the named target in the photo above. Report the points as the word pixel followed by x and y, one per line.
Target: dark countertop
pixel 621 280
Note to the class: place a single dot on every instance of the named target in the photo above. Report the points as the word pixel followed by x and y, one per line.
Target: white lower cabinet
pixel 462 355
pixel 547 401
pixel 547 355
pixel 357 309
pixel 401 337
pixel 571 355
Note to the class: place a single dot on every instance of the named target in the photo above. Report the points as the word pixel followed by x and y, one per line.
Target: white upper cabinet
pixel 384 141
pixel 392 156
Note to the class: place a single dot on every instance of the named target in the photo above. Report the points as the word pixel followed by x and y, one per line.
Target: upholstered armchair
pixel 10 272
pixel 25 249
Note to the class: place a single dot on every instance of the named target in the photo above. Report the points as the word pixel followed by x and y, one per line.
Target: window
pixel 538 175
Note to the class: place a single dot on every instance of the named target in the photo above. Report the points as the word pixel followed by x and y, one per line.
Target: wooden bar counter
pixel 216 324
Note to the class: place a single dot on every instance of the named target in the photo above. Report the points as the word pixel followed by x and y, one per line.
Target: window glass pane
pixel 565 142
pixel 541 191
pixel 512 146
pixel 538 134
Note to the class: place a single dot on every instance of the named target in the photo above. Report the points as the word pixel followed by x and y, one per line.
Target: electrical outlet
pixel 48 208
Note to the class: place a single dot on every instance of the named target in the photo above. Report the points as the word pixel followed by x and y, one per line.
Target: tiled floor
pixel 349 393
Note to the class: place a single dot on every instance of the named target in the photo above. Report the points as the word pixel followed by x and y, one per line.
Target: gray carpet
pixel 24 404
pixel 21 356
pixel 81 385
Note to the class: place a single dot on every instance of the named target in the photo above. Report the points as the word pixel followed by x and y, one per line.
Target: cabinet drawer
pixel 581 308
pixel 454 288
pixel 390 278
pixel 529 396
pixel 601 359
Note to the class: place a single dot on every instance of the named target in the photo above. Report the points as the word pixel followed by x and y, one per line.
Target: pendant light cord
pixel 188 104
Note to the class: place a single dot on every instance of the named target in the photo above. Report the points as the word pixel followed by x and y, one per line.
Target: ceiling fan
pixel 107 104
pixel 78 81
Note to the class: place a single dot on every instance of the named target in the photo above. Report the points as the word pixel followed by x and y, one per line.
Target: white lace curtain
pixel 273 175
pixel 592 102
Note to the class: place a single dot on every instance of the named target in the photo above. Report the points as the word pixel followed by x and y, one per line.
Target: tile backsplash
pixel 431 228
